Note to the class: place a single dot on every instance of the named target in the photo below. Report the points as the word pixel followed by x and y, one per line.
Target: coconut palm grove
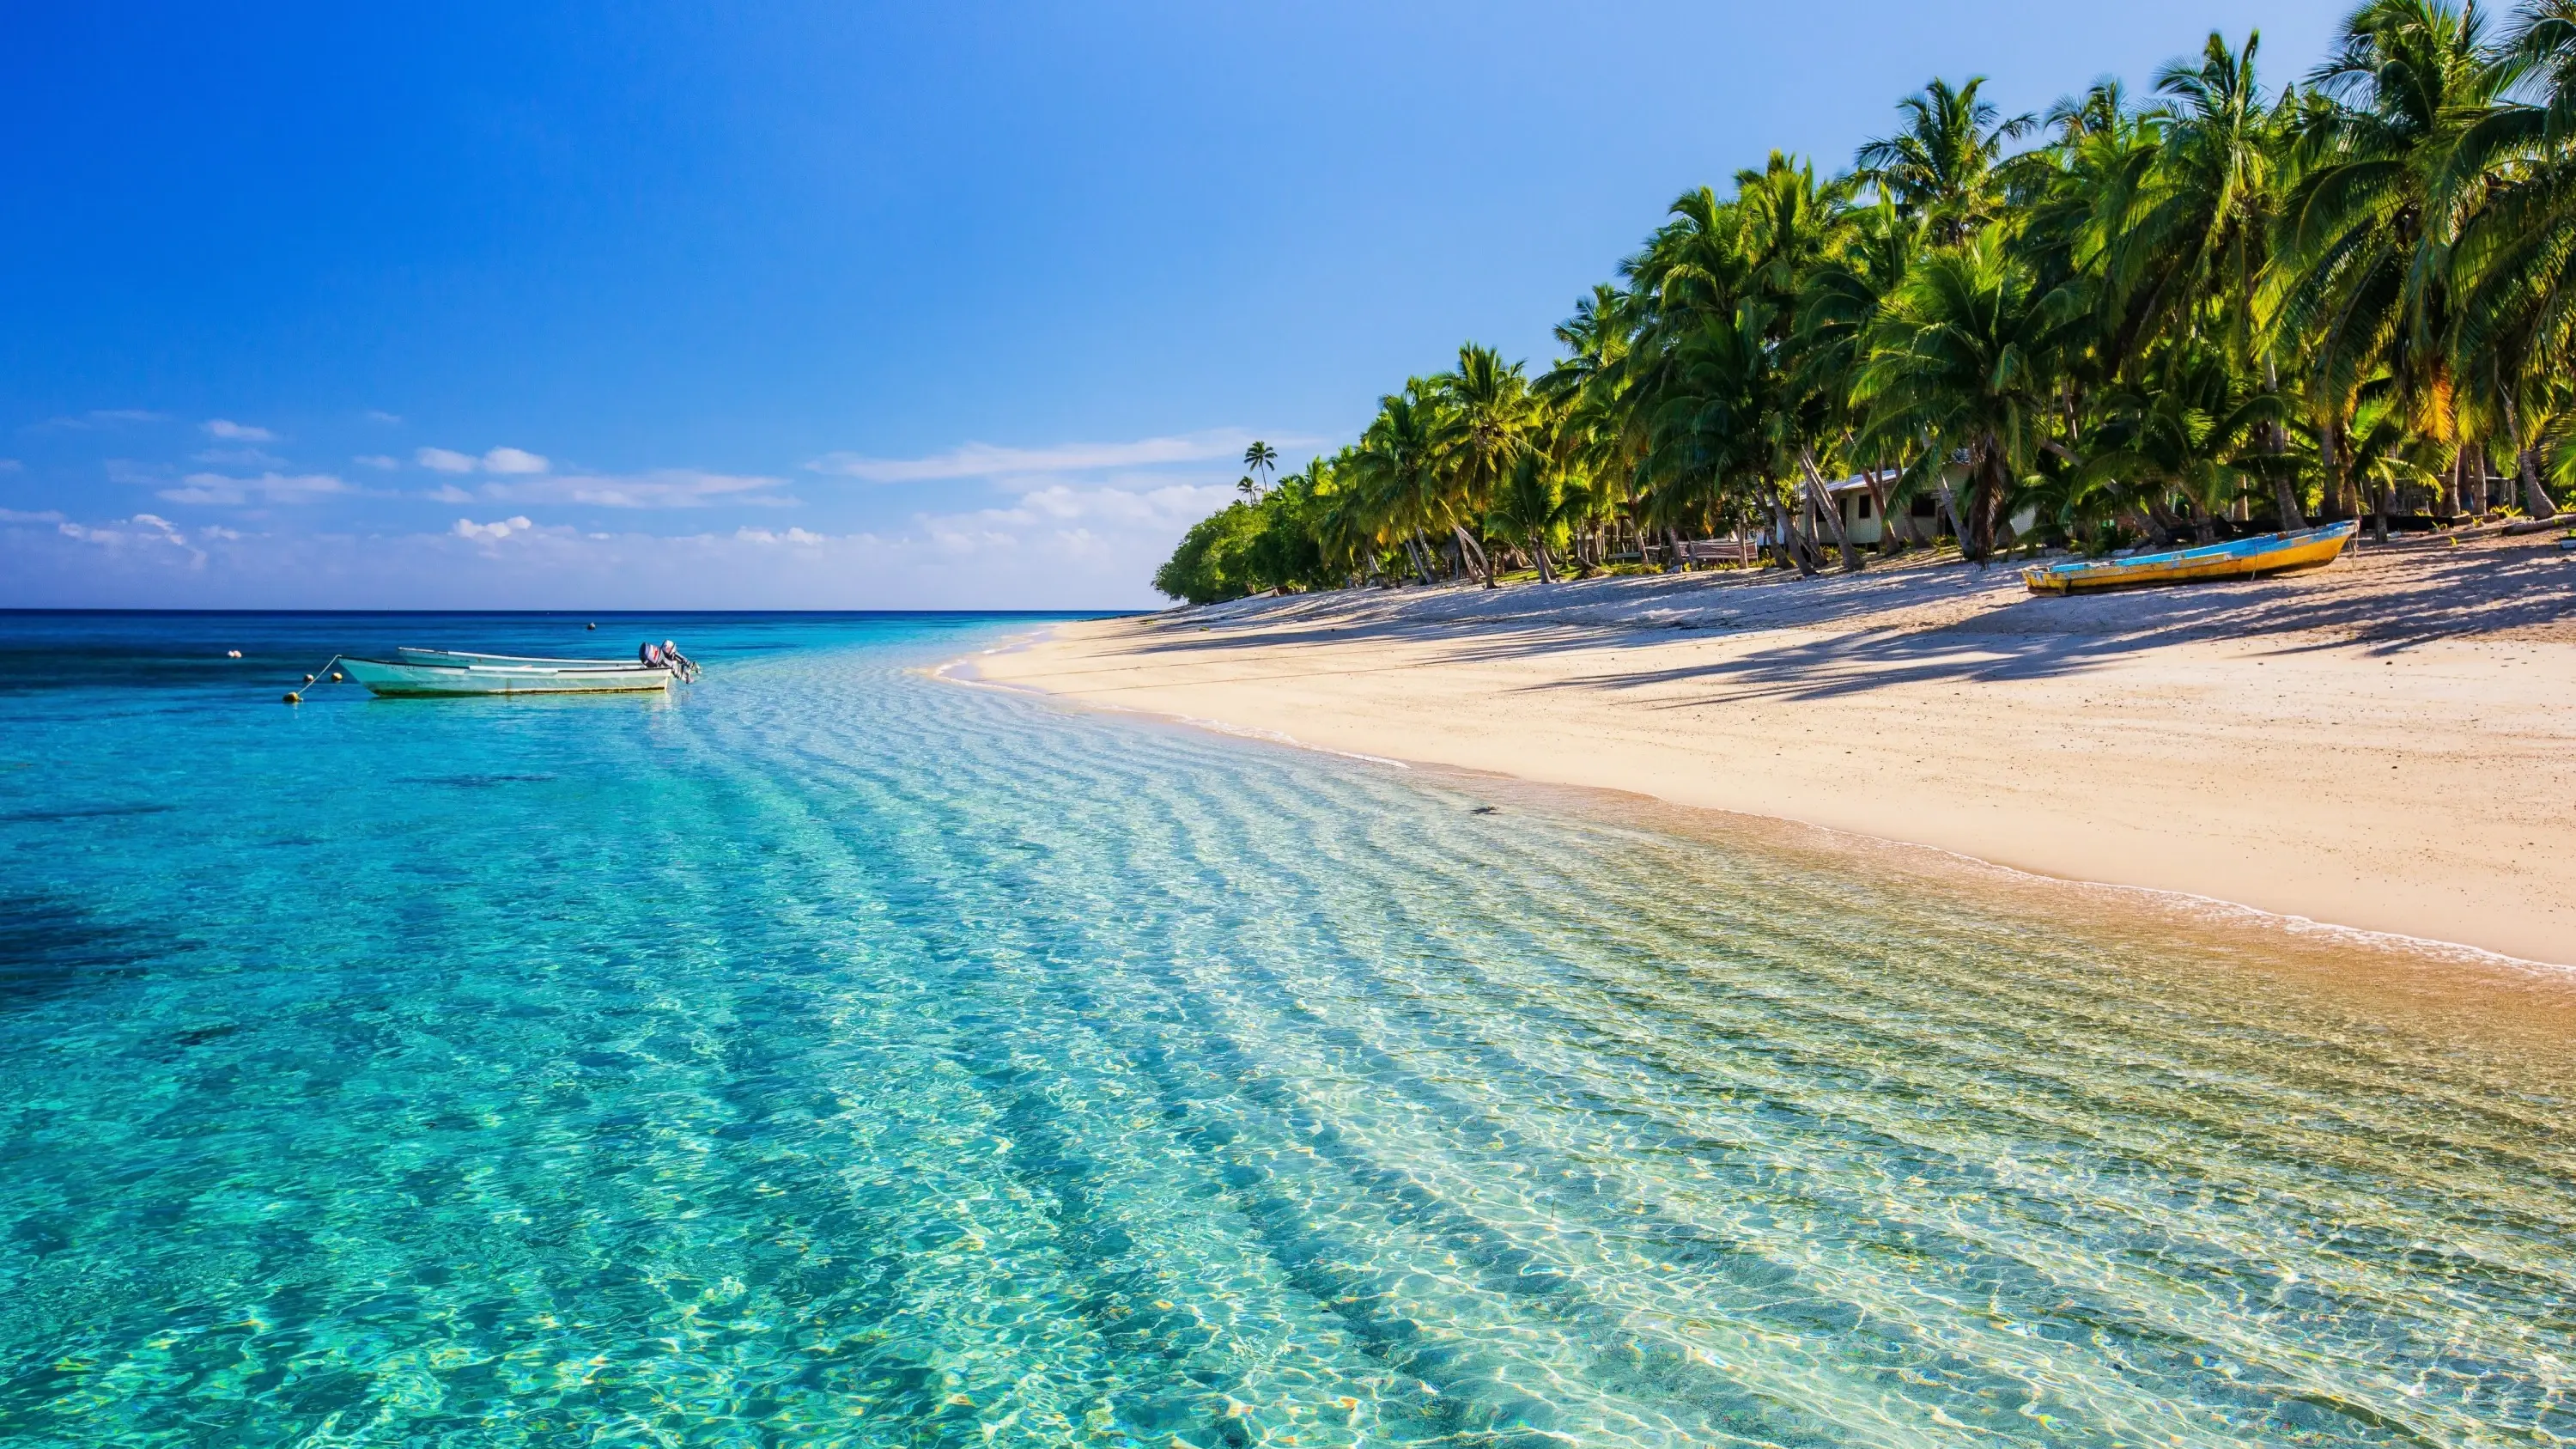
pixel 2228 307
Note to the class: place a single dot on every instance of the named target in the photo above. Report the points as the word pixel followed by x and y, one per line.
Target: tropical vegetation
pixel 2220 308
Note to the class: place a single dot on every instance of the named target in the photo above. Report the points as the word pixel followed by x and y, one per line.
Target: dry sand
pixel 2388 744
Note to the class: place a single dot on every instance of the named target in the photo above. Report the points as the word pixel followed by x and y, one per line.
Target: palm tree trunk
pixel 1832 513
pixel 1958 528
pixel 2331 507
pixel 1538 551
pixel 1793 545
pixel 2168 527
pixel 2535 499
pixel 1889 545
pixel 2288 514
pixel 1469 548
pixel 1414 545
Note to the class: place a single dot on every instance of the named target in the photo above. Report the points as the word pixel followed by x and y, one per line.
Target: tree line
pixel 2223 308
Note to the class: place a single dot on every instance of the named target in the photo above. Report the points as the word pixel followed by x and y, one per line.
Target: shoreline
pixel 2202 910
pixel 2219 745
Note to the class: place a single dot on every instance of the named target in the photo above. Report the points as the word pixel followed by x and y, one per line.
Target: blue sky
pixel 811 306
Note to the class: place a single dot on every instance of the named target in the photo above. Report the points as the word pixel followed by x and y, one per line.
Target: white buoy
pixel 232 654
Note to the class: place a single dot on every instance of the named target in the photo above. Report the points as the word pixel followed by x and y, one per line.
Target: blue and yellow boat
pixel 2243 558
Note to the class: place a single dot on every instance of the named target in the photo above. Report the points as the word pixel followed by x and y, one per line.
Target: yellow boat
pixel 2243 558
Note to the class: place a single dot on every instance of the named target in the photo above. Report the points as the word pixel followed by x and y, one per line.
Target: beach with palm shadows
pixel 2387 744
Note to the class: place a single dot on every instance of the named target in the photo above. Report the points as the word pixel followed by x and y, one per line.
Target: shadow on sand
pixel 1910 622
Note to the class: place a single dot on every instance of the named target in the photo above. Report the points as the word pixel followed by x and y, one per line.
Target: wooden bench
pixel 1720 550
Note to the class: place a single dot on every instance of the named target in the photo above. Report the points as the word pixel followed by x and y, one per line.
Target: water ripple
pixel 833 1055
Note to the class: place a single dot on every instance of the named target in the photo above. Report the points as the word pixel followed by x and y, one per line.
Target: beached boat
pixel 2243 558
pixel 442 672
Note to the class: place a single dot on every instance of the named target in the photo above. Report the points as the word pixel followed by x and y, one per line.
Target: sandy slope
pixel 2388 744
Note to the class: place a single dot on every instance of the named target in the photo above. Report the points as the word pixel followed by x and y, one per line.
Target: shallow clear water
pixel 830 1054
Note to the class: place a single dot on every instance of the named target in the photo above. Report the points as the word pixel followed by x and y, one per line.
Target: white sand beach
pixel 2388 744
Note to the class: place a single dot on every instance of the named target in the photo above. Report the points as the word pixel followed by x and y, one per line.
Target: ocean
pixel 837 1053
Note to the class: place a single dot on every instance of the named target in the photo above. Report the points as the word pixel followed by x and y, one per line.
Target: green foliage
pixel 2229 304
pixel 1215 559
pixel 1253 546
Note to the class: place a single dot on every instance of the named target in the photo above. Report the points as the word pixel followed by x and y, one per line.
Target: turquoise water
pixel 830 1054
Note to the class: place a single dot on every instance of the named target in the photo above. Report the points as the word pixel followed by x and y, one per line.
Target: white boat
pixel 463 656
pixel 439 672
pixel 681 666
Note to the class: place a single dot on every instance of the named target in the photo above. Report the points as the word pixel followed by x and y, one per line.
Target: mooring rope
pixel 296 696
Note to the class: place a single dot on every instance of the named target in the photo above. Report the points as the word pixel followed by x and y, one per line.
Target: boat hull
pixel 414 680
pixel 2248 558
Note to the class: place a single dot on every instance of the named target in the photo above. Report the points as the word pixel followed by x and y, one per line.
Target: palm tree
pixel 1717 442
pixel 1533 506
pixel 2196 253
pixel 1961 371
pixel 2104 107
pixel 2513 271
pixel 2369 226
pixel 1486 417
pixel 1843 298
pixel 1259 460
pixel 2159 315
pixel 1393 470
pixel 1946 164
pixel 2183 440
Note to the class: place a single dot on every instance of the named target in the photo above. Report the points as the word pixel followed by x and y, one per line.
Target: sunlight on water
pixel 832 1055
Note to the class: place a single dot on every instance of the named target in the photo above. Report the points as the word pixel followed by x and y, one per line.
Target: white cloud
pixel 385 461
pixel 1068 539
pixel 218 488
pixel 379 415
pixel 513 461
pixel 143 530
pixel 664 488
pixel 982 460
pixel 238 458
pixel 219 492
pixel 1052 564
pixel 233 432
pixel 12 515
pixel 1175 504
pixel 10 465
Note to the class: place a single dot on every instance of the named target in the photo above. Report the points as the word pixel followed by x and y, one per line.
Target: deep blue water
pixel 833 1054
